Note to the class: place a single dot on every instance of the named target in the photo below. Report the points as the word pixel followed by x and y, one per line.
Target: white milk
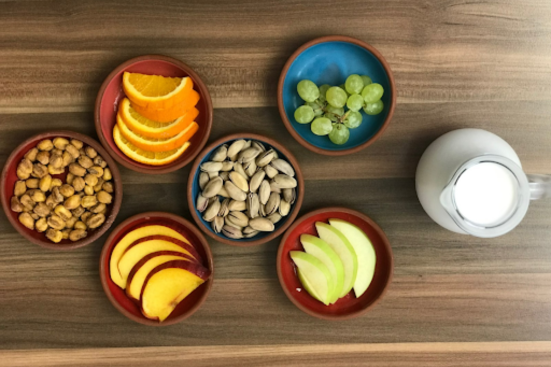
pixel 486 194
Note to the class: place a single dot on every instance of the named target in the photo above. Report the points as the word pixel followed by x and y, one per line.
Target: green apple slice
pixel 344 249
pixel 364 250
pixel 320 249
pixel 314 276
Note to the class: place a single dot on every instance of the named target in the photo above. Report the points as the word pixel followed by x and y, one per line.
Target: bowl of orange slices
pixel 153 114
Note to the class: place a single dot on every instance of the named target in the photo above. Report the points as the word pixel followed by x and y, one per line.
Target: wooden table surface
pixel 455 300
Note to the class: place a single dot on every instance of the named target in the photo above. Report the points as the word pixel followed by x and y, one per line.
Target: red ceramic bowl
pixel 9 177
pixel 348 306
pixel 111 93
pixel 130 308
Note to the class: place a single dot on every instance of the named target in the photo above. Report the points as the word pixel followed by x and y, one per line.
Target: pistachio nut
pixel 289 195
pixel 212 175
pixel 284 181
pixel 232 232
pixel 238 218
pixel 256 180
pixel 235 192
pixel 224 176
pixel 230 223
pixel 261 224
pixel 248 155
pixel 240 181
pixel 265 158
pixel 264 192
pixel 213 187
pixel 211 166
pixel 273 203
pixel 262 210
pixel 212 210
pixel 250 168
pixel 274 187
pixel 238 206
pixel 253 205
pixel 238 167
pixel 274 218
pixel 235 147
pixel 217 224
pixel 227 166
pixel 223 192
pixel 284 207
pixel 202 203
pixel 283 167
pixel 220 154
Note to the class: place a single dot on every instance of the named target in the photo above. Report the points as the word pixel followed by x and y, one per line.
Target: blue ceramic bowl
pixel 194 190
pixel 330 60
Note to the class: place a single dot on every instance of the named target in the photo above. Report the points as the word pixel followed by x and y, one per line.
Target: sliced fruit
pixel 132 236
pixel 364 251
pixel 154 129
pixel 155 144
pixel 321 250
pixel 314 276
pixel 144 156
pixel 344 249
pixel 167 285
pixel 156 91
pixel 139 272
pixel 168 114
pixel 148 245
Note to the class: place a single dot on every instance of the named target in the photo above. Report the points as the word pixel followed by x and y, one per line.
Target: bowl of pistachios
pixel 245 189
pixel 61 190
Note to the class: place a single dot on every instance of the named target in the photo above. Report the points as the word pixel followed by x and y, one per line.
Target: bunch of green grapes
pixel 333 110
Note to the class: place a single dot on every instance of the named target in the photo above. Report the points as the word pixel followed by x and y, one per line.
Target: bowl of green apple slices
pixel 336 95
pixel 335 263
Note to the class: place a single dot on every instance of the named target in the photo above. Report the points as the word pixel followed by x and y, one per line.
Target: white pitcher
pixel 471 181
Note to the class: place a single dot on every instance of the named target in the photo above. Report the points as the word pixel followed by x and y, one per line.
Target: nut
pixel 42 210
pixel 24 169
pixel 108 187
pixel 213 187
pixel 20 188
pixel 232 232
pixel 34 216
pixel 77 234
pixel 261 224
pixel 99 161
pixel 57 162
pixel 283 167
pixel 37 196
pixel 211 167
pixel 78 184
pixel 91 180
pixel 56 222
pixel 41 225
pixel 73 151
pixel 56 194
pixel 91 152
pixel 202 203
pixel 107 175
pixel 98 186
pixel 70 223
pixel 235 205
pixel 212 210
pixel 70 178
pixel 32 183
pixel 67 190
pixel 284 181
pixel 16 205
pixel 55 171
pixel 63 212
pixel 104 197
pixel 88 201
pixel 95 221
pixel 31 154
pixel 271 172
pixel 67 159
pixel 77 143
pixel 39 170
pixel 50 202
pixel 27 202
pixel 217 224
pixel 77 170
pixel 203 180
pixel 84 217
pixel 43 157
pixel 45 183
pixel 96 170
pixel 60 143
pixel 98 208
pixel 56 182
pixel 54 235
pixel 240 181
pixel 72 202
pixel 85 161
pixel 89 190
pixel 26 220
pixel 65 234
pixel 78 211
pixel 235 148
pixel 80 225
pixel 56 151
pixel 45 145
pixel 235 192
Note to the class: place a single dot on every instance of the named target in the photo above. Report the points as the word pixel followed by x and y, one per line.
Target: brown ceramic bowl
pixel 9 177
pixel 130 308
pixel 193 191
pixel 111 93
pixel 330 60
pixel 349 306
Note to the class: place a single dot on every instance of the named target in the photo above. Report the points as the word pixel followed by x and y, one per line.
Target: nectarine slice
pixel 132 236
pixel 139 272
pixel 147 245
pixel 167 285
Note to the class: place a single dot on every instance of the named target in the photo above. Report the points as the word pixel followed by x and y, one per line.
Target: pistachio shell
pixel 250 168
pixel 248 230
pixel 232 232
pixel 213 187
pixel 284 208
pixel 285 181
pixel 217 224
pixel 224 175
pixel 220 154
pixel 258 146
pixel 265 158
pixel 248 155
pixel 235 147
pixel 223 192
pixel 211 166
pixel 227 166
pixel 271 172
pixel 235 192
pixel 238 218
pixel 231 224
pixel 264 192
pixel 240 181
pixel 235 205
pixel 224 208
pixel 274 218
pixel 273 203
pixel 289 195
pixel 252 234
pixel 283 167
pixel 203 180
pixel 238 167
pixel 261 224
pixel 212 175
pixel 212 211
pixel 256 180
pixel 274 187
pixel 253 205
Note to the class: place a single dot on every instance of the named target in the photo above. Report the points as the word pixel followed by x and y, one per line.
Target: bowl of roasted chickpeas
pixel 61 190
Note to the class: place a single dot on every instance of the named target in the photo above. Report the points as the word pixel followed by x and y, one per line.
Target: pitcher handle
pixel 540 186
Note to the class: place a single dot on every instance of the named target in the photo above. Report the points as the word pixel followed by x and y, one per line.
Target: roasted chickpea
pixel 78 211
pixel 41 225
pixel 56 222
pixel 43 157
pixel 20 188
pixel 45 145
pixel 91 180
pixel 77 143
pixel 78 184
pixel 50 202
pixel 32 183
pixel 39 170
pixel 60 143
pixel 99 208
pixel 99 161
pixel 107 175
pixel 96 170
pixel 37 196
pixel 57 162
pixel 26 220
pixel 70 223
pixel 77 234
pixel 56 182
pixel 45 183
pixel 55 171
pixel 42 210
pixel 67 190
pixel 73 202
pixel 31 154
pixel 91 152
pixel 27 202
pixel 80 225
pixel 77 170
pixel 98 186
pixel 108 187
pixel 95 221
pixel 16 205
pixel 88 201
pixel 73 151
pixel 67 159
pixel 89 190
pixel 104 197
pixel 24 169
pixel 65 234
pixel 84 217
pixel 54 235
pixel 85 161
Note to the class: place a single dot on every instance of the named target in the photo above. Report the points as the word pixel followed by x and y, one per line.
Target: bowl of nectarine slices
pixel 156 268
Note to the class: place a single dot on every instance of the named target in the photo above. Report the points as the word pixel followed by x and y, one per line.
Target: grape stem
pixel 340 119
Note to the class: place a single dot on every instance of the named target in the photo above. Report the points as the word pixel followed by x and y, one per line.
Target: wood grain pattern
pixel 56 53
pixel 505 354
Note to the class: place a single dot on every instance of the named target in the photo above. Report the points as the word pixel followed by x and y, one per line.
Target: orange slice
pixel 153 129
pixel 168 114
pixel 154 144
pixel 155 91
pixel 143 156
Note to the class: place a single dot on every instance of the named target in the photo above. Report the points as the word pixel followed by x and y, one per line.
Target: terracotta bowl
pixel 9 177
pixel 130 308
pixel 330 60
pixel 111 93
pixel 193 191
pixel 348 306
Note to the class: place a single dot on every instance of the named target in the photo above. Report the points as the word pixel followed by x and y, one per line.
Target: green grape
pixel 372 93
pixel 354 84
pixel 339 135
pixel 304 114
pixel 316 106
pixel 374 108
pixel 344 89
pixel 355 102
pixel 336 97
pixel 334 114
pixel 367 80
pixel 353 120
pixel 307 90
pixel 323 90
pixel 321 126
